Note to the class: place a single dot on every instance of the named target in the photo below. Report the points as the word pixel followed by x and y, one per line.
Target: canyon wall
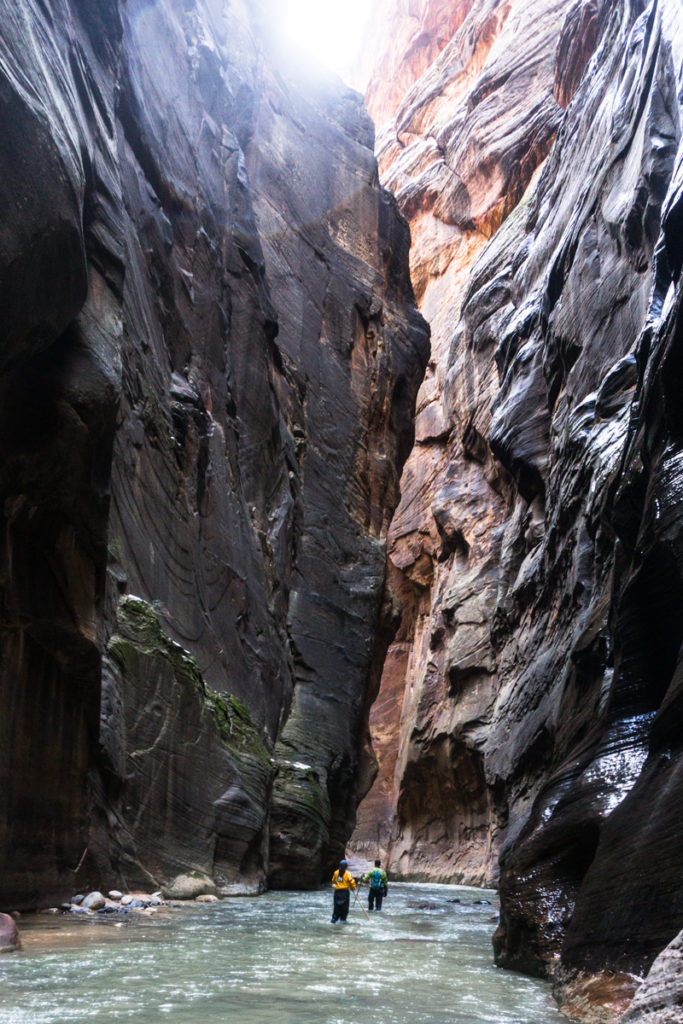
pixel 534 684
pixel 209 366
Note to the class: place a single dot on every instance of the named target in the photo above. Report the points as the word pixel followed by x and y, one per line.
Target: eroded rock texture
pixel 660 998
pixel 209 364
pixel 537 540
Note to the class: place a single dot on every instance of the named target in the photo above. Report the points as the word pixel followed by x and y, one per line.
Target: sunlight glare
pixel 329 33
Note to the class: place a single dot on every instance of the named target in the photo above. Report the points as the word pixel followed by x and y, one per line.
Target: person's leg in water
pixel 340 907
pixel 344 904
pixel 375 896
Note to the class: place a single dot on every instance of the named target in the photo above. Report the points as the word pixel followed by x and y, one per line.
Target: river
pixel 424 959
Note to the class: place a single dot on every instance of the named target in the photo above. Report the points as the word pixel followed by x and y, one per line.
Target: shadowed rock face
pixel 537 539
pixel 209 364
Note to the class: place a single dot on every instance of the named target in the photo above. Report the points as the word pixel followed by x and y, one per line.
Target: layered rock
pixel 210 361
pixel 537 536
pixel 660 997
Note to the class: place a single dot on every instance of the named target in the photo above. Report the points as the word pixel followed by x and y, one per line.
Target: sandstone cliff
pixel 209 365
pixel 534 683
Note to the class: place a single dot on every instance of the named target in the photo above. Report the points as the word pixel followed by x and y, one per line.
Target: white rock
pixel 115 895
pixel 188 887
pixel 94 901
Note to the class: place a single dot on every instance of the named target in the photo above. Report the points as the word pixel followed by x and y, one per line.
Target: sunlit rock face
pixel 210 360
pixel 537 540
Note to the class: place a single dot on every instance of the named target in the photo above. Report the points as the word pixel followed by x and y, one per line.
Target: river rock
pixel 94 901
pixel 207 898
pixel 189 887
pixel 115 895
pixel 9 934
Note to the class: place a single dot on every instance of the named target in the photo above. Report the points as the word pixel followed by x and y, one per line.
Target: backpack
pixel 376 880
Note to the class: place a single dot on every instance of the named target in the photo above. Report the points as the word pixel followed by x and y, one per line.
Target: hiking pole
pixel 355 893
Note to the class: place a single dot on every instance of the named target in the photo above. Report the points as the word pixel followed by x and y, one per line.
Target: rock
pixel 169 345
pixel 207 898
pixel 535 552
pixel 241 889
pixel 9 934
pixel 77 900
pixel 660 997
pixel 126 900
pixel 189 887
pixel 115 895
pixel 93 901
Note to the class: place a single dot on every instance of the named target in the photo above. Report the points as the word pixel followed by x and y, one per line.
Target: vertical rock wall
pixel 535 547
pixel 209 365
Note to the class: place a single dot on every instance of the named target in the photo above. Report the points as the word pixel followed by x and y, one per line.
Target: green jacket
pixel 383 876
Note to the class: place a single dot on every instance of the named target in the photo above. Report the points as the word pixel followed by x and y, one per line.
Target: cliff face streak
pixel 536 545
pixel 210 360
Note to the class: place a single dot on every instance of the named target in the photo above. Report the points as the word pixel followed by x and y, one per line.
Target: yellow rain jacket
pixel 346 881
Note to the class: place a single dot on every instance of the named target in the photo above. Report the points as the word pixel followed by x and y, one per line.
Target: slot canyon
pixel 342 492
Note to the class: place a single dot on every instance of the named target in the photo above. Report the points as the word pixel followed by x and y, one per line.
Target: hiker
pixel 343 882
pixel 377 878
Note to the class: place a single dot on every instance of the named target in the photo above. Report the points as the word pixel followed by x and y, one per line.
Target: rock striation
pixel 209 365
pixel 534 684
pixel 659 999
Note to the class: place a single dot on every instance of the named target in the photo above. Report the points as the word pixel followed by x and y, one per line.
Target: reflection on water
pixel 277 960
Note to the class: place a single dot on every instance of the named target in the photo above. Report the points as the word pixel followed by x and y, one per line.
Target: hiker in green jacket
pixel 377 878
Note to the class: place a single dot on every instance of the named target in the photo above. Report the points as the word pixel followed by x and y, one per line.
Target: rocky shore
pixel 185 890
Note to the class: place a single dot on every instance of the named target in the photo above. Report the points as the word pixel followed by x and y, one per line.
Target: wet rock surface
pixel 660 997
pixel 537 540
pixel 9 934
pixel 209 364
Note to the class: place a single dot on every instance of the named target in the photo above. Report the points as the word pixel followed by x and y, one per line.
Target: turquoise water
pixel 275 960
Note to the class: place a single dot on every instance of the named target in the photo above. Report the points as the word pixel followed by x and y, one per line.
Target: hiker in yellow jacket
pixel 343 883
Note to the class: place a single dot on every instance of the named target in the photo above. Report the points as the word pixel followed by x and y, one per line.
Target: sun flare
pixel 329 33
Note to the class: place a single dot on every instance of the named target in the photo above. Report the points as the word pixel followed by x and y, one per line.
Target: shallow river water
pixel 274 960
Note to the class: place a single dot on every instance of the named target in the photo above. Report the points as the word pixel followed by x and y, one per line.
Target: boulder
pixel 189 887
pixel 94 901
pixel 9 934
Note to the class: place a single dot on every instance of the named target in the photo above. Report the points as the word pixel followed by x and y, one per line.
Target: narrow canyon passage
pixel 341 504
pixel 426 959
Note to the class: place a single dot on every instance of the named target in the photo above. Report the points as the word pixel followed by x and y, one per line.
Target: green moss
pixel 153 415
pixel 114 549
pixel 140 629
pixel 235 725
pixel 140 633
pixel 298 786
